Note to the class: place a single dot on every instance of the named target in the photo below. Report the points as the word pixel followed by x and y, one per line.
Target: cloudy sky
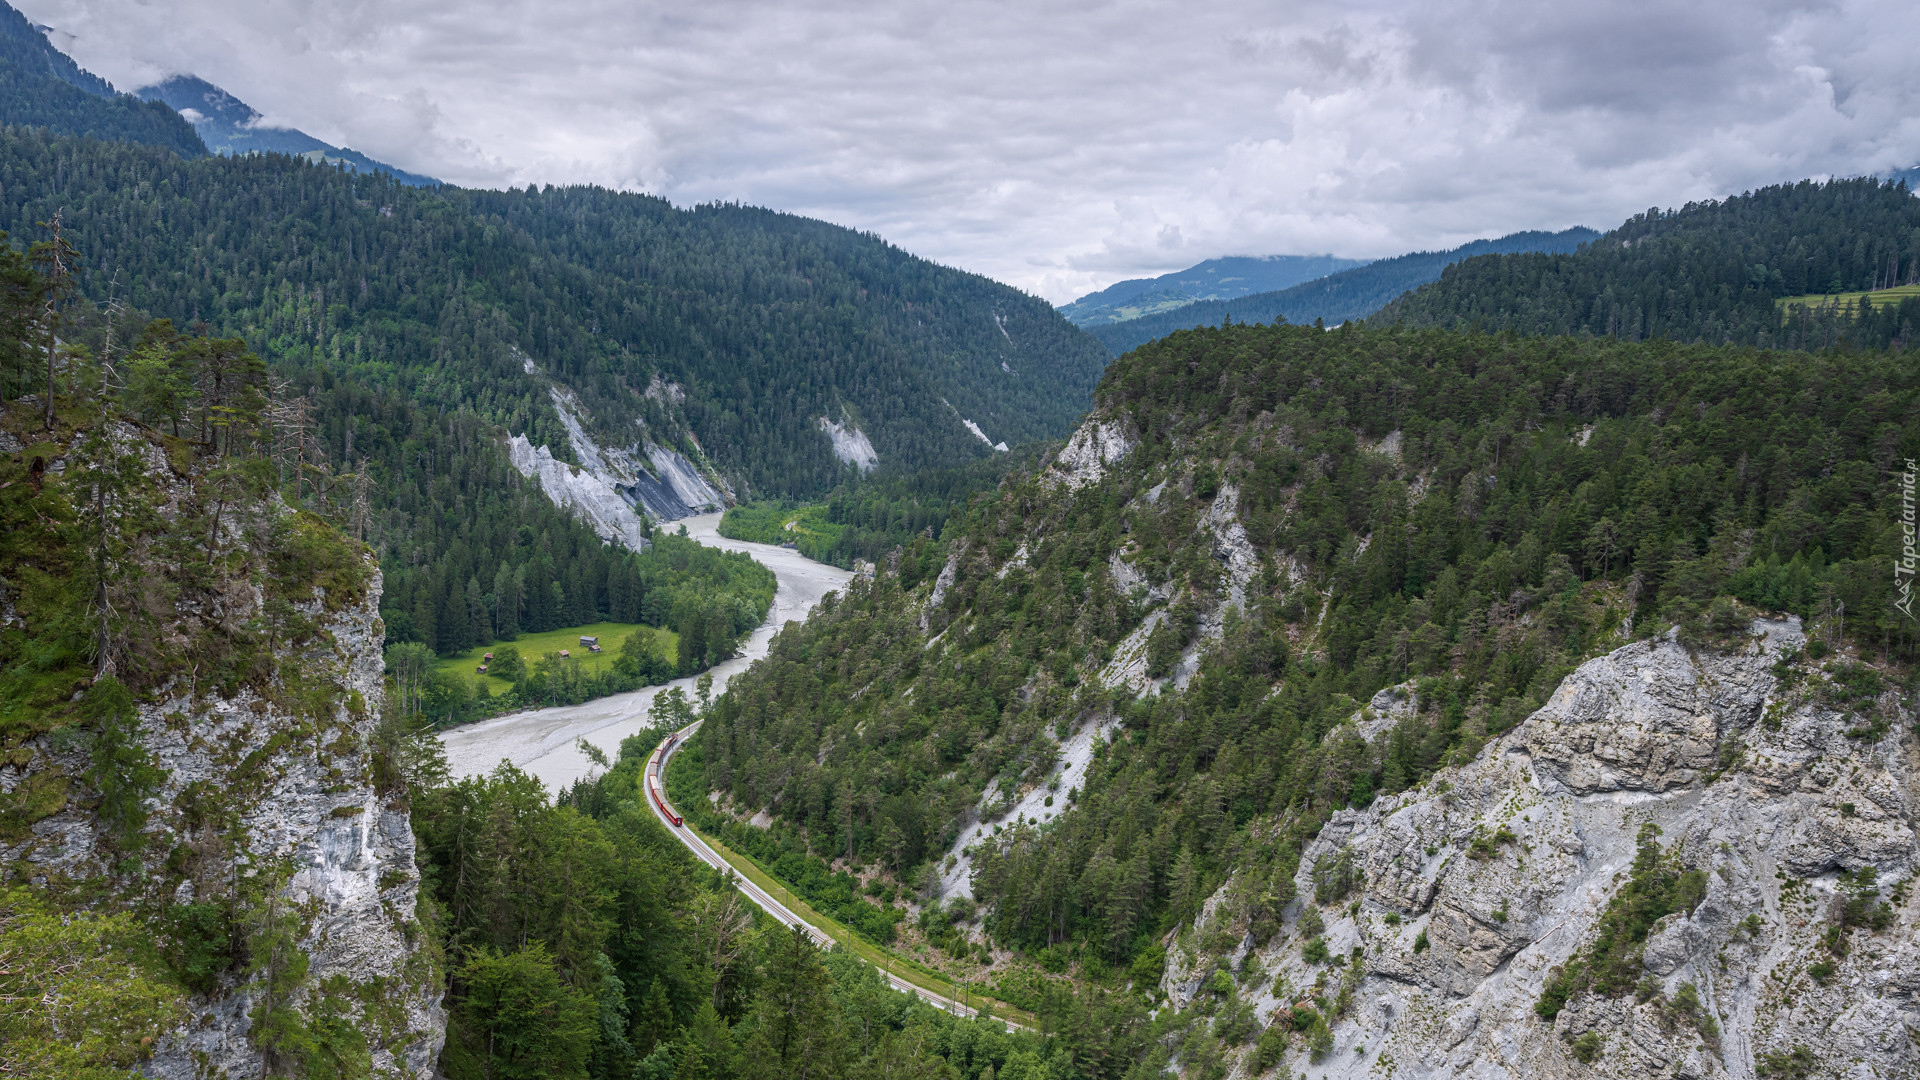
pixel 1061 146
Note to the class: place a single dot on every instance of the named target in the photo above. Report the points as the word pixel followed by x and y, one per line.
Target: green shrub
pixel 1148 966
pixel 76 996
pixel 1657 887
pixel 198 944
pixel 1795 1064
pixel 1562 981
pixel 1334 876
pixel 1311 924
pixel 1484 845
pixel 1586 1048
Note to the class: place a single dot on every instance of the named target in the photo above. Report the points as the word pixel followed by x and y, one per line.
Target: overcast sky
pixel 1063 146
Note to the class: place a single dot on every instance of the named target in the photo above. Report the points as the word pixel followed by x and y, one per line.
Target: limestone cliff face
pixel 313 818
pixel 267 815
pixel 1767 778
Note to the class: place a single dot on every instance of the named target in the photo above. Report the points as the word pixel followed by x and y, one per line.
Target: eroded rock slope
pixel 1774 799
pixel 250 822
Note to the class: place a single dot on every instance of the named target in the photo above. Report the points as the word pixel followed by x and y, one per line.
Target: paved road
pixel 771 906
pixel 543 741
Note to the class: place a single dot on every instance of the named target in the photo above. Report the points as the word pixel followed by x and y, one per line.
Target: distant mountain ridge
pixel 1335 298
pixel 40 86
pixel 1712 271
pixel 232 127
pixel 1215 279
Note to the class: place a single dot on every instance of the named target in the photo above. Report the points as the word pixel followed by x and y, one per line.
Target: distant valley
pixel 1215 279
pixel 1478 662
pixel 1333 297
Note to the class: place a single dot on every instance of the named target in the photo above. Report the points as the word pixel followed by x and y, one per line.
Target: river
pixel 543 742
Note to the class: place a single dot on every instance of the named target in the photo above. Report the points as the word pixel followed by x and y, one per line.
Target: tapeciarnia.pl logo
pixel 1903 567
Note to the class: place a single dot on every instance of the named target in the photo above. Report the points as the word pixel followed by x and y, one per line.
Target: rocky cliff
pixel 1692 862
pixel 238 803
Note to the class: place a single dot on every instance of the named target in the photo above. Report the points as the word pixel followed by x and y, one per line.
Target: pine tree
pixel 796 1034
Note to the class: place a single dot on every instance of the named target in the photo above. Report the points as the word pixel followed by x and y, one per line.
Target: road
pixel 544 742
pixel 705 853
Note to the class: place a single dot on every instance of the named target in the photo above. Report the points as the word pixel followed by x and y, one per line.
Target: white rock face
pixel 1755 783
pixel 1095 445
pixel 614 485
pixel 1128 668
pixel 1041 803
pixel 949 573
pixel 304 810
pixel 350 850
pixel 589 497
pixel 982 436
pixel 685 481
pixel 851 445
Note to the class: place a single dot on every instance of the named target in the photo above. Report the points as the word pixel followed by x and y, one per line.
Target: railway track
pixel 676 824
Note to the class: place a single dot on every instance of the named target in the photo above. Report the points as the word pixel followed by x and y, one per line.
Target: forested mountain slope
pixel 1281 573
pixel 1335 298
pixel 1214 279
pixel 226 849
pixel 40 86
pixel 1708 272
pixel 411 320
pixel 757 325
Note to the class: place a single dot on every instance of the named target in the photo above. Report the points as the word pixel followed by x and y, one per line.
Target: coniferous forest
pixel 406 317
pixel 761 322
pixel 1469 514
pixel 1114 729
pixel 1708 272
pixel 166 519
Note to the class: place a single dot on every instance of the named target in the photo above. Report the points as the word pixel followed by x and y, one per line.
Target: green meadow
pixel 1848 301
pixel 533 646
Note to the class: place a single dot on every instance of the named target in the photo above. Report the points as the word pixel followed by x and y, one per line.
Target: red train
pixel 653 781
pixel 662 804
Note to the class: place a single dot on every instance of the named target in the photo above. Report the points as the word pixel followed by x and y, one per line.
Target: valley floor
pixel 543 741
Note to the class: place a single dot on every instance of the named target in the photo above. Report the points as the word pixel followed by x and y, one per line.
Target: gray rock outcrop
pixel 1478 886
pixel 268 813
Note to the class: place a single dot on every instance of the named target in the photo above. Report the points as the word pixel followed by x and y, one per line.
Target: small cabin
pixel 564 654
pixel 488 658
pixel 481 670
pixel 588 642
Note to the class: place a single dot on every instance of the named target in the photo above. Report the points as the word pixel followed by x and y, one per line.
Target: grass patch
pixel 533 646
pixel 884 959
pixel 682 788
pixel 803 525
pixel 1847 303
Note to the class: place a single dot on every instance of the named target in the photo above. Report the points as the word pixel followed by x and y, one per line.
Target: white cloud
pixel 1063 145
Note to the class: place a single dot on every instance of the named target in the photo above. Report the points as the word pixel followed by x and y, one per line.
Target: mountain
pixel 1340 691
pixel 228 843
pixel 1710 271
pixel 728 334
pixel 1215 279
pixel 40 86
pixel 629 350
pixel 207 848
pixel 230 126
pixel 1335 298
